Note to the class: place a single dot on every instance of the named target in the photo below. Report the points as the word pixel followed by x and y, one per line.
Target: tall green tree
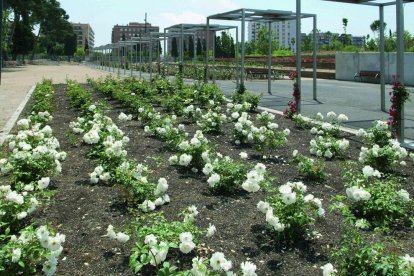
pixel 174 48
pixel 262 42
pixel 199 49
pixel 70 45
pixel 23 40
pixel 191 47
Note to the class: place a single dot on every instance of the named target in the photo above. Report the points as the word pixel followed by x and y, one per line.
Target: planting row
pixel 32 159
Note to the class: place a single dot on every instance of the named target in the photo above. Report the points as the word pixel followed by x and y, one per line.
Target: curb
pixel 12 121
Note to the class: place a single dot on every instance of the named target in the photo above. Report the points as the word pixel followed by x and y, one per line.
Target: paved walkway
pixel 17 82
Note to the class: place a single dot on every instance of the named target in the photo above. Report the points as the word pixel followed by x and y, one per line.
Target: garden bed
pixel 83 211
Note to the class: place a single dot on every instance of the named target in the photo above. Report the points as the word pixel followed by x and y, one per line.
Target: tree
pixel 376 26
pixel 233 48
pixel 344 37
pixel 217 47
pixel 262 42
pixel 292 43
pixel 199 49
pixel 79 54
pixel 345 24
pixel 174 48
pixel 70 45
pixel 226 45
pixel 23 40
pixel 86 45
pixel 307 43
pixel 191 47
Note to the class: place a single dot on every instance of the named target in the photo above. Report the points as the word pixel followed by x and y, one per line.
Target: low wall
pixel 347 64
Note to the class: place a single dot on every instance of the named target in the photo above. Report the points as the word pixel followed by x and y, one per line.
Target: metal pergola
pixel 400 47
pixel 270 16
pixel 194 28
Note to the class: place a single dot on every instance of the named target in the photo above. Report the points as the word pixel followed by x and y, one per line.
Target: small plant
pixel 301 121
pixel 328 147
pixel 382 153
pixel 355 256
pixel 372 200
pixel 156 237
pixel 21 254
pixel 252 99
pixel 265 118
pixel 193 154
pixel 212 122
pixel 290 213
pixel 310 168
pixel 266 139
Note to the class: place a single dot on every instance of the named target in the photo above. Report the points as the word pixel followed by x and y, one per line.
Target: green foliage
pixel 166 237
pixel 357 257
pixel 385 205
pixel 311 169
pixel 79 55
pixel 79 97
pixel 252 99
pixel 291 213
pixel 232 175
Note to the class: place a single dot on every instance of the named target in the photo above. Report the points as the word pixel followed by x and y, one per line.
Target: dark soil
pixel 83 211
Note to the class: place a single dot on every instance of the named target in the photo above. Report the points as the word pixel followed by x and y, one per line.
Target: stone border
pixel 15 116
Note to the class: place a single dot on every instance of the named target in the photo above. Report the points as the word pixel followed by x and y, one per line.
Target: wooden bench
pixel 367 74
pixel 259 72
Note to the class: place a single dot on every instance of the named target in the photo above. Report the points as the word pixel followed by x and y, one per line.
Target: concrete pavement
pixel 17 82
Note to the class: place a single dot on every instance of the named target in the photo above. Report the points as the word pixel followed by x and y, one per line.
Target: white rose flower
pixel 248 268
pixel 328 270
pixel 43 183
pixel 211 230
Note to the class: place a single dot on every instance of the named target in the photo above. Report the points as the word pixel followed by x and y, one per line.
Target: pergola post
pixel 182 45
pixel 150 56
pixel 119 59
pixel 243 48
pixel 136 56
pixel 130 64
pixel 140 58
pixel 206 53
pixel 400 63
pixel 315 49
pixel 236 58
pixel 214 58
pixel 165 52
pixel 382 58
pixel 158 56
pixel 298 53
pixel 269 59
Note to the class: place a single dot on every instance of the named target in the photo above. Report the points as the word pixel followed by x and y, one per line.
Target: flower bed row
pixel 32 160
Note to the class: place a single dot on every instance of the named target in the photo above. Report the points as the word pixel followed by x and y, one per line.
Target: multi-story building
pixel 84 35
pixel 284 31
pixel 133 29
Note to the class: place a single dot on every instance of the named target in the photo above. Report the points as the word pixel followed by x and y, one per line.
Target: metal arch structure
pixel 269 16
pixel 194 28
pixel 400 48
pixel 164 37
